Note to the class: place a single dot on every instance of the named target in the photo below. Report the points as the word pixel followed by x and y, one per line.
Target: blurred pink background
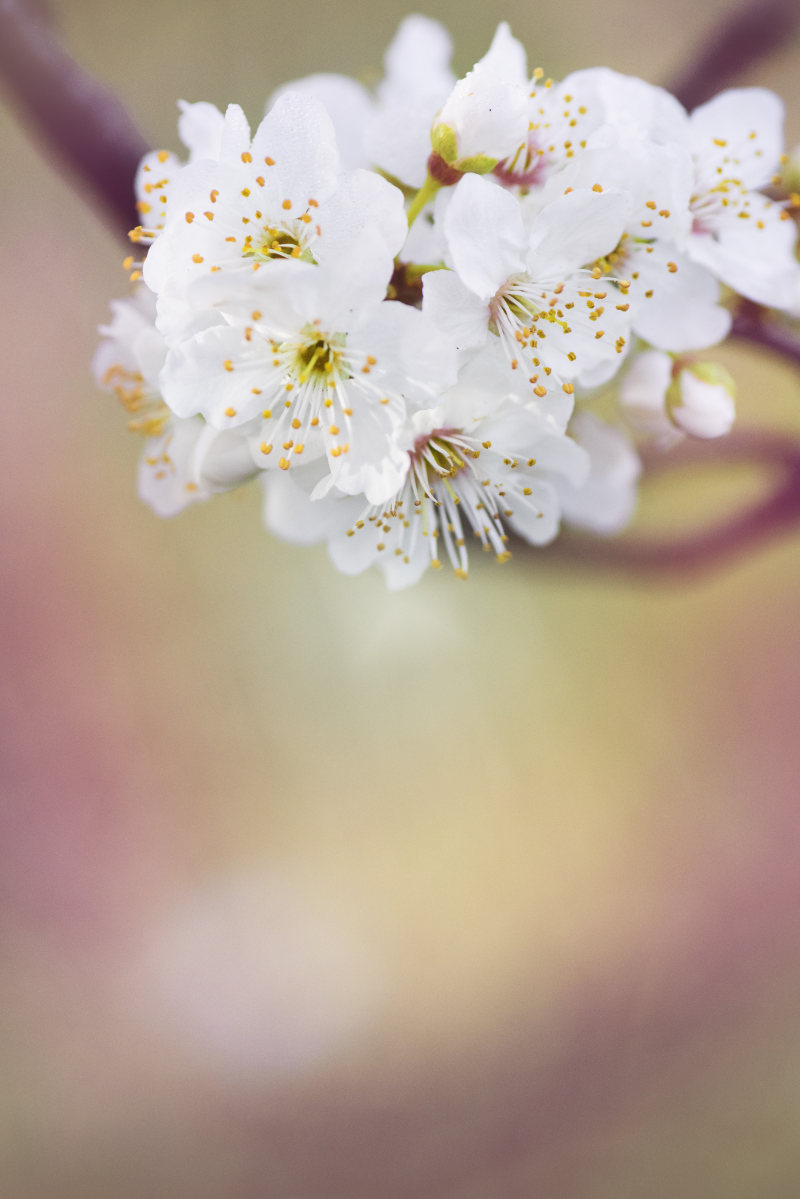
pixel 312 891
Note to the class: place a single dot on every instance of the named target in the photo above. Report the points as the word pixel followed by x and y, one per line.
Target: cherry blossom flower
pixel 182 460
pixel 528 287
pixel 464 477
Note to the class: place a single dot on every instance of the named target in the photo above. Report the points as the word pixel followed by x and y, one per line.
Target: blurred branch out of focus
pixel 86 130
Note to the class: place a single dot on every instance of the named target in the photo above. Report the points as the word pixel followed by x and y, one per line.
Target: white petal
pixel 575 231
pixel 485 235
pixel 346 102
pixel 291 514
pixel 731 118
pixel 200 127
pixel 643 392
pixel 684 312
pixel 417 63
pixel 758 262
pixel 454 309
pixel 705 410
pixel 606 502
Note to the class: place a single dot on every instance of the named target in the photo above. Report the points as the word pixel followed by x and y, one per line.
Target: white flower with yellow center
pixel 526 286
pixel 674 301
pixel 735 143
pixel 280 197
pixel 466 478
pixel 182 460
pixel 314 362
pixel 743 237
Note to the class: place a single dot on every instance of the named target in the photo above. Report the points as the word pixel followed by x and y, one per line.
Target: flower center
pixel 317 358
pixel 273 242
pixel 148 412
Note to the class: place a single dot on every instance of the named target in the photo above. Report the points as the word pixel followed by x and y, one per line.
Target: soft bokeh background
pixel 315 892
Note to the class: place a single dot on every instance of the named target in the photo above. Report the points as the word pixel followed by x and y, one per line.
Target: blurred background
pixel 311 891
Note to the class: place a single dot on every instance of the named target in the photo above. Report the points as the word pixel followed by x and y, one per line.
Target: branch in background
pixel 755 326
pixel 753 30
pixel 81 122
pixel 700 553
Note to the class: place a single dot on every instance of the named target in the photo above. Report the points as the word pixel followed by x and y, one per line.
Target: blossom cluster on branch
pixel 394 307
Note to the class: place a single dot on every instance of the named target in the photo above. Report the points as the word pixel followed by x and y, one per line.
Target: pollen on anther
pixel 247 156
pixel 228 364
pixel 230 412
pixel 287 204
pixel 189 218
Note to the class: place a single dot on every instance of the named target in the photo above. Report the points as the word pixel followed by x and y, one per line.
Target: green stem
pixel 426 193
pixel 415 270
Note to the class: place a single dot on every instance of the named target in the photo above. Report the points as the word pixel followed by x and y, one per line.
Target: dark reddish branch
pixel 82 124
pixel 719 543
pixel 753 30
pixel 760 328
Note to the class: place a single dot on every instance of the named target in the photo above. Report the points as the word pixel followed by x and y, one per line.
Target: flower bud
pixel 700 400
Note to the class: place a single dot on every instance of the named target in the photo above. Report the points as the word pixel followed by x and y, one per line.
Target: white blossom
pixel 389 303
pixel 182 461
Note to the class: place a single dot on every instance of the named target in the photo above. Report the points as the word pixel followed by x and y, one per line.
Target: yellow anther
pixel 228 364
pixel 247 156
pixel 287 204
pixel 189 218
pixel 163 155
pixel 197 257
pixel 230 412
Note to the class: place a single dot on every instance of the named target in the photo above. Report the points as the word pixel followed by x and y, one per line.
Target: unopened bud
pixel 700 400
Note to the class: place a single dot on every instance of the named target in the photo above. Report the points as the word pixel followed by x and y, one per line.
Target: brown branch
pixel 757 327
pixel 82 123
pixel 753 30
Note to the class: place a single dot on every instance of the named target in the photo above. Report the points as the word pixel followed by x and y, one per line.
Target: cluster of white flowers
pixel 386 305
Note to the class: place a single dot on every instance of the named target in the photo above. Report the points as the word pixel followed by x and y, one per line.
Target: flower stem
pixel 425 194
